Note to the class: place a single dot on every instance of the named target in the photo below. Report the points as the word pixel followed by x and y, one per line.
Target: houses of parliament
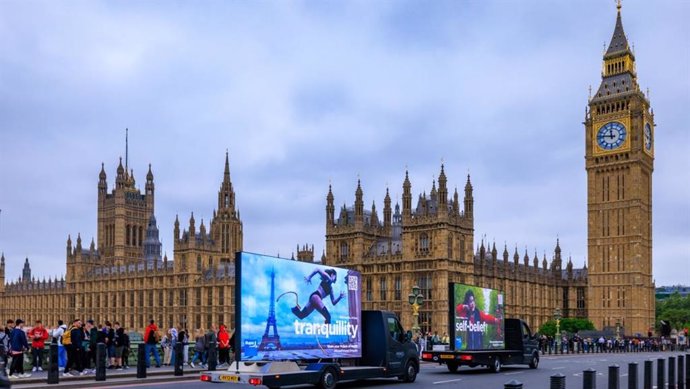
pixel 427 241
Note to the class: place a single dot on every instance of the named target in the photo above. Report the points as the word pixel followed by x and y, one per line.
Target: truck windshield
pixel 394 328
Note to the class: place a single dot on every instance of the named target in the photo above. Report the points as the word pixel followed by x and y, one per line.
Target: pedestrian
pixel 183 338
pixel 211 338
pixel 93 345
pixel 57 337
pixel 118 345
pixel 110 343
pixel 4 348
pixel 18 344
pixel 166 345
pixel 152 337
pixel 38 336
pixel 73 342
pixel 199 348
pixel 173 341
pixel 126 350
pixel 223 347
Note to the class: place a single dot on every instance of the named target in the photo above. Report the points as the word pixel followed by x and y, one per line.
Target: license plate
pixel 229 378
pixel 446 356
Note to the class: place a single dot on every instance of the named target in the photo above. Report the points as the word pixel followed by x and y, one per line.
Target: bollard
pixel 681 375
pixel 100 362
pixel 687 371
pixel 141 361
pixel 648 367
pixel 212 356
pixel 53 369
pixel 632 375
pixel 557 381
pixel 178 359
pixel 589 379
pixel 671 373
pixel 614 377
pixel 512 385
pixel 660 376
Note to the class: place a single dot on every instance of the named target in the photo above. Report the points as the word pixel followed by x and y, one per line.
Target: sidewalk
pixel 128 376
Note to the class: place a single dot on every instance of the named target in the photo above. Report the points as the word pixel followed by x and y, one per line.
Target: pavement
pixel 113 377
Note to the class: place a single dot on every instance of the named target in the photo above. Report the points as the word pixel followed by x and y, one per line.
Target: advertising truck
pixel 302 323
pixel 479 334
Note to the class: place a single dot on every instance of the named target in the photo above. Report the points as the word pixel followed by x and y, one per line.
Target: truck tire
pixel 452 367
pixel 410 374
pixel 496 366
pixel 535 361
pixel 328 379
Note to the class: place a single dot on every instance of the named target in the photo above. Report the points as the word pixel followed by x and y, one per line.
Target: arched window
pixel 128 238
pixel 198 263
pixel 344 251
pixel 424 243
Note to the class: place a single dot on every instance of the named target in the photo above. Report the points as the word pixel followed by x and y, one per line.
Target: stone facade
pixel 433 244
pixel 619 130
pixel 126 279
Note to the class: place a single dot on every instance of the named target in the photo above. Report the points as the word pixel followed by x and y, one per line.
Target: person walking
pixel 126 348
pixel 4 348
pixel 183 338
pixel 199 348
pixel 118 341
pixel 18 344
pixel 110 343
pixel 166 346
pixel 92 346
pixel 75 350
pixel 151 337
pixel 38 336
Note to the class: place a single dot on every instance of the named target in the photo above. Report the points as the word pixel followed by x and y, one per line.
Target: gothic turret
pixel 26 271
pixel 192 228
pixel 407 198
pixel 102 183
pixel 150 187
pixel 120 180
pixel 374 216
pixel 359 204
pixel 2 272
pixel 330 208
pixel 226 194
pixel 442 191
pixel 176 231
pixel 152 243
pixel 469 200
pixel 387 212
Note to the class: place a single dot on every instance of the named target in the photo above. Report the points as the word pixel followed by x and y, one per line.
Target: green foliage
pixel 675 309
pixel 569 325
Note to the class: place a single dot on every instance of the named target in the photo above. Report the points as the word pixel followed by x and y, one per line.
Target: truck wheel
pixel 535 361
pixel 452 367
pixel 496 367
pixel 410 374
pixel 328 379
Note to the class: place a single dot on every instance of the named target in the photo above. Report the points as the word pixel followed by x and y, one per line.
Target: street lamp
pixel 415 299
pixel 557 316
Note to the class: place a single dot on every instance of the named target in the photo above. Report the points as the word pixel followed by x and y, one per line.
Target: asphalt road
pixel 437 376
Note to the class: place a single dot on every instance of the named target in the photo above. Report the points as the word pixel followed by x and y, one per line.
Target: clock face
pixel 648 137
pixel 611 135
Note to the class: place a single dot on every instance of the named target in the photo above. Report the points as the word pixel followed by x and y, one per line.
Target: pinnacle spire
pixel 227 165
pixel 619 42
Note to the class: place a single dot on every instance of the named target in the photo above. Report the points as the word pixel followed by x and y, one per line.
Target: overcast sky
pixel 307 93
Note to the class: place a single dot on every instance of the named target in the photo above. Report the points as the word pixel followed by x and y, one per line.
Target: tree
pixel 569 325
pixel 675 310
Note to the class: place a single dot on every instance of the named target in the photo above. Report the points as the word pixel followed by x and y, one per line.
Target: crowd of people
pixel 428 341
pixel 77 344
pixel 601 344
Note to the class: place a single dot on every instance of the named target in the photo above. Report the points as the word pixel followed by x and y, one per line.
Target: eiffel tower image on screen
pixel 271 342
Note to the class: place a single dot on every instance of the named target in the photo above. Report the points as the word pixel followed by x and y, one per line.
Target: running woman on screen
pixel 316 299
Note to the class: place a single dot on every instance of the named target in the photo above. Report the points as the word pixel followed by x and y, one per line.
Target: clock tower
pixel 619 159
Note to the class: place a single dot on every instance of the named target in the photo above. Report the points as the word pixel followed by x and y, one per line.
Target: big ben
pixel 619 156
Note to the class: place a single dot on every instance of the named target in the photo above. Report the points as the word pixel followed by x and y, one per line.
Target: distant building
pixel 664 292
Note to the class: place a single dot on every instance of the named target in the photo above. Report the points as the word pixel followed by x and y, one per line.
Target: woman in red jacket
pixel 223 346
pixel 38 336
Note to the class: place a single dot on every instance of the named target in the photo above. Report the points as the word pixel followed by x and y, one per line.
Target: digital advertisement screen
pixel 478 313
pixel 292 310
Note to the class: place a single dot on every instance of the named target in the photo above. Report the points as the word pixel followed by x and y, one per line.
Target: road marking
pixel 447 381
pixel 557 368
pixel 513 373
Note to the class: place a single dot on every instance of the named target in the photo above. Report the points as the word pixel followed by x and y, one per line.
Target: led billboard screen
pixel 292 310
pixel 478 318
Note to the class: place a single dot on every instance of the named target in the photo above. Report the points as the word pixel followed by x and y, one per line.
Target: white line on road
pixel 447 381
pixel 513 373
pixel 557 368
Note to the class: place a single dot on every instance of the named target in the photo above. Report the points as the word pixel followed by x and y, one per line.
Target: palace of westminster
pixel 121 275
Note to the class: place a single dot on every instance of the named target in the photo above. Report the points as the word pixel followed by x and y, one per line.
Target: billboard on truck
pixel 476 317
pixel 292 310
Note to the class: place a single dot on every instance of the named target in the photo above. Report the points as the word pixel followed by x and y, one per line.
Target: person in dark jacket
pixel 127 346
pixel 93 344
pixel 75 349
pixel 18 344
pixel 118 340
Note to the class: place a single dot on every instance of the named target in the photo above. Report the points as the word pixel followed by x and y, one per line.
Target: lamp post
pixel 557 316
pixel 415 299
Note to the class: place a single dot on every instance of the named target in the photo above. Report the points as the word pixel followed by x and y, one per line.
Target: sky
pixel 304 93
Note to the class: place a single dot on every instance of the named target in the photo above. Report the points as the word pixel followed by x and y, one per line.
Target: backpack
pixel 67 337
